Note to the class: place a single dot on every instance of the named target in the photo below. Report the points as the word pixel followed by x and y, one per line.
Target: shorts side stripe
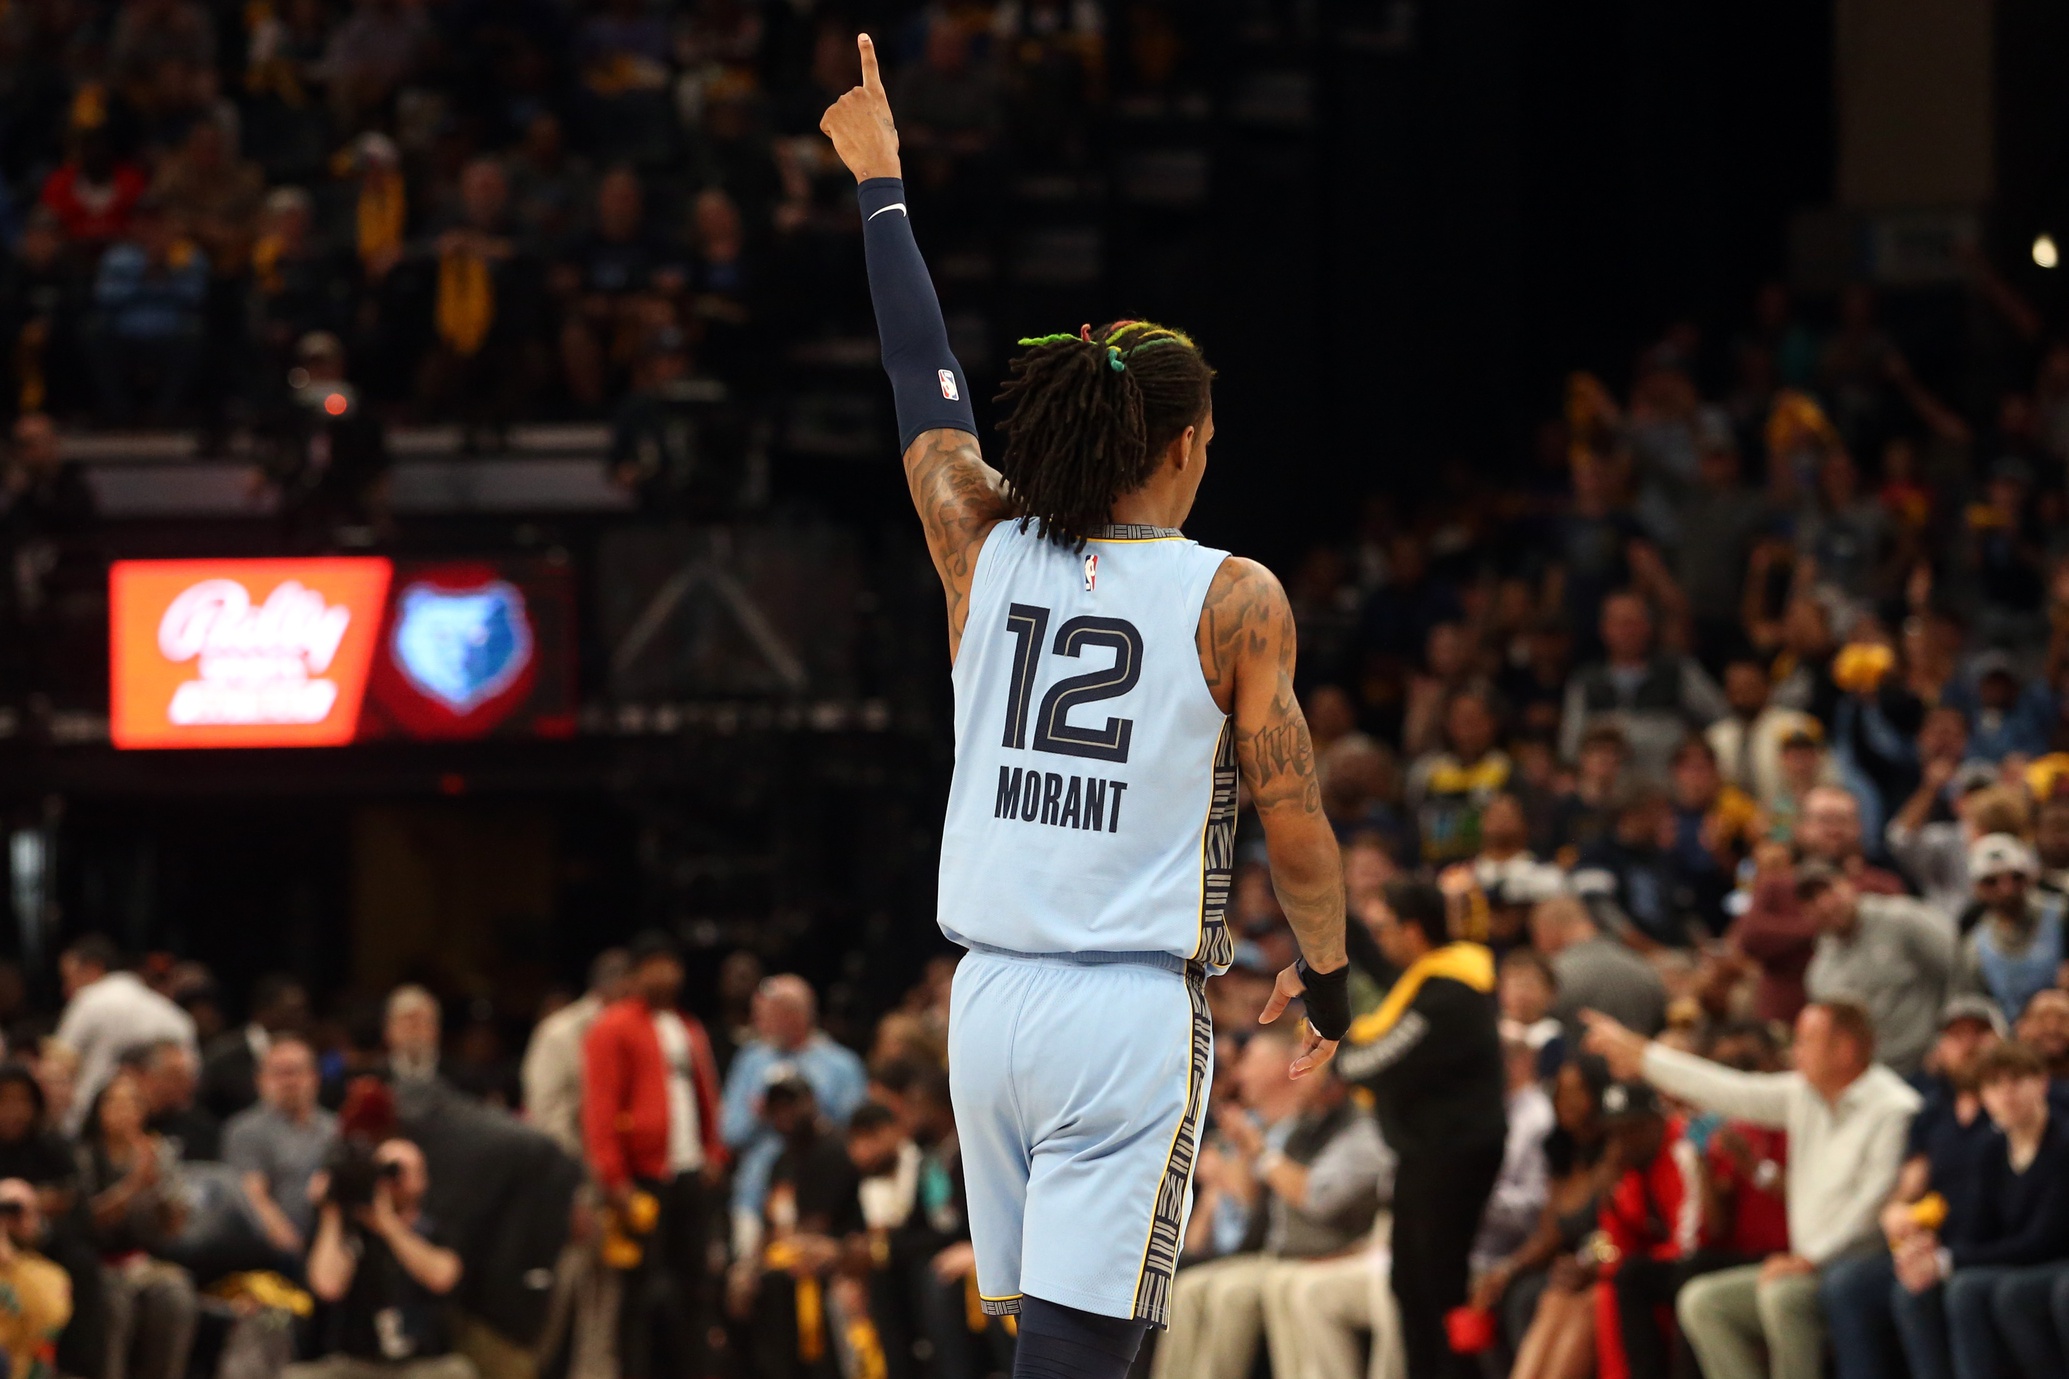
pixel 1160 1253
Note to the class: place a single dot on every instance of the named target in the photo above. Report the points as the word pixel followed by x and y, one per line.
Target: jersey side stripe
pixel 1216 947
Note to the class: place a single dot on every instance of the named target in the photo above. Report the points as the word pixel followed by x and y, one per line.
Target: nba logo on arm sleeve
pixel 948 388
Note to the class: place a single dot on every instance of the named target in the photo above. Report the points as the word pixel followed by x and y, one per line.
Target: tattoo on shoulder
pixel 1247 624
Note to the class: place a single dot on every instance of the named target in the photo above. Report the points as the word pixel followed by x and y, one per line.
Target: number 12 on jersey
pixel 1053 730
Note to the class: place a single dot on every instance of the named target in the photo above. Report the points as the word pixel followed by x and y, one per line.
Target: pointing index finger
pixel 871 81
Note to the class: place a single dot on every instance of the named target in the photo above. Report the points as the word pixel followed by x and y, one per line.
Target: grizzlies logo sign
pixel 462 647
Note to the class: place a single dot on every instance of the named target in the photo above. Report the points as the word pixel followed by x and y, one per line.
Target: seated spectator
pixel 1449 789
pixel 108 1011
pixel 279 1145
pixel 370 54
pixel 549 184
pixel 1594 971
pixel 1312 1171
pixel 33 1152
pixel 1715 828
pixel 1962 1302
pixel 2017 949
pixel 1748 740
pixel 1957 801
pixel 1523 1188
pixel 1520 1283
pixel 613 285
pixel 1846 1118
pixel 1892 954
pixel 787 1036
pixel 230 1065
pixel 483 361
pixel 384 1268
pixel 214 194
pixel 1945 1156
pixel 1655 697
pixel 129 1178
pixel 1527 991
pixel 1631 879
pixel 170 1076
pixel 721 286
pixel 35 1295
pixel 1803 766
pixel 149 297
pixel 1585 814
pixel 2045 1028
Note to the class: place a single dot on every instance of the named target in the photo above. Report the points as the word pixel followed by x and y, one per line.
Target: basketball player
pixel 1111 679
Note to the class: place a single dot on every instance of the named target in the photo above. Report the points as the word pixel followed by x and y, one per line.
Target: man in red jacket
pixel 650 1122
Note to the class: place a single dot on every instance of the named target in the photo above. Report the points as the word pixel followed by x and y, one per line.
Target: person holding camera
pixel 378 1262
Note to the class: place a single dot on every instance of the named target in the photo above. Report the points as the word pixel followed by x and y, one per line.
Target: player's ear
pixel 1180 452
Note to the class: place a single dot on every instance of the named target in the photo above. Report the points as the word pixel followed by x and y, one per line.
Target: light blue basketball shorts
pixel 1079 1084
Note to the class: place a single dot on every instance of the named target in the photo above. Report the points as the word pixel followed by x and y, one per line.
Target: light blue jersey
pixel 1094 801
pixel 1085 862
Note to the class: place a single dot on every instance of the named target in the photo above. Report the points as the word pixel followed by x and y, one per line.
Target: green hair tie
pixel 1173 339
pixel 1114 360
pixel 1032 341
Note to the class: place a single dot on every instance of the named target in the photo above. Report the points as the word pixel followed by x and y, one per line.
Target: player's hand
pixel 1315 1051
pixel 860 124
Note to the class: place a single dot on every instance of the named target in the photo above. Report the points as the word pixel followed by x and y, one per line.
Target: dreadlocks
pixel 1089 414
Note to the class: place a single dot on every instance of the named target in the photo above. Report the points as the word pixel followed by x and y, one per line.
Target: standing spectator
pixel 149 297
pixel 786 1033
pixel 553 1062
pixel 411 1033
pixel 1890 953
pixel 1632 879
pixel 1431 1057
pixel 1594 971
pixel 129 1178
pixel 385 1272
pixel 1748 740
pixel 170 1076
pixel 1846 1118
pixel 278 1145
pixel 1932 848
pixel 1965 1300
pixel 1657 698
pixel 650 1117
pixel 484 359
pixel 108 1011
pixel 230 1069
pixel 2018 948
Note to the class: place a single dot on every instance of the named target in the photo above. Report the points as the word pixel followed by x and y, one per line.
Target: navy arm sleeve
pixel 927 384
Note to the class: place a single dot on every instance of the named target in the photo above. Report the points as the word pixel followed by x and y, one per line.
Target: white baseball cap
pixel 1998 853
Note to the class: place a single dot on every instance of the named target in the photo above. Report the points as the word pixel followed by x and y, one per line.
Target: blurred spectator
pixel 1524 1185
pixel 1715 527
pixel 1594 971
pixel 329 456
pixel 149 299
pixel 108 1011
pixel 35 1295
pixel 549 183
pixel 1449 788
pixel 2007 714
pixel 2017 949
pixel 613 287
pixel 385 1269
pixel 1971 1298
pixel 1716 826
pixel 650 1117
pixel 1431 1057
pixel 786 1038
pixel 1585 814
pixel 1930 835
pixel 280 1144
pixel 1846 1118
pixel 1748 739
pixel 39 290
pixel 129 1179
pixel 1891 954
pixel 1651 1218
pixel 1655 697
pixel 411 1032
pixel 1528 992
pixel 170 1076
pixel 33 1151
pixel 214 194
pixel 2045 1027
pixel 298 285
pixel 370 54
pixel 2051 842
pixel 230 1069
pixel 44 497
pixel 813 1205
pixel 484 357
pixel 553 1071
pixel 948 102
pixel 1309 1171
pixel 93 192
pixel 1632 880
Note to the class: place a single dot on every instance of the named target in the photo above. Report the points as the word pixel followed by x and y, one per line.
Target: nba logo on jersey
pixel 948 385
pixel 1091 572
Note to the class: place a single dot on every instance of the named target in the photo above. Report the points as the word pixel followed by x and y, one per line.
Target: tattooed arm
pixel 1246 645
pixel 960 499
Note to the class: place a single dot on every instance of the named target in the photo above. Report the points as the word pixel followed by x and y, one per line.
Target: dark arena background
pixel 453 526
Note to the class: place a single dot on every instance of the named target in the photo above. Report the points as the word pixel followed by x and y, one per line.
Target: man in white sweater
pixel 1846 1116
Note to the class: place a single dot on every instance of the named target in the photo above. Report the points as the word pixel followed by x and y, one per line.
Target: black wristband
pixel 1328 998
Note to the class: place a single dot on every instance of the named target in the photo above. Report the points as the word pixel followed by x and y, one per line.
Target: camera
pixel 354 1173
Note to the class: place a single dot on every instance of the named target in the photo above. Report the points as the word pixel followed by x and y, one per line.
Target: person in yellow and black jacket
pixel 1430 1056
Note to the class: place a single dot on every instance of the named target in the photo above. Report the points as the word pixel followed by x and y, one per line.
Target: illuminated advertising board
pixel 325 651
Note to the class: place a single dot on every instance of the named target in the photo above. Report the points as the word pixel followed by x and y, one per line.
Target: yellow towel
pixel 383 208
pixel 466 302
pixel 1469 963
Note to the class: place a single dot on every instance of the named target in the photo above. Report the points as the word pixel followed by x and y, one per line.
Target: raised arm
pixel 959 497
pixel 1247 644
